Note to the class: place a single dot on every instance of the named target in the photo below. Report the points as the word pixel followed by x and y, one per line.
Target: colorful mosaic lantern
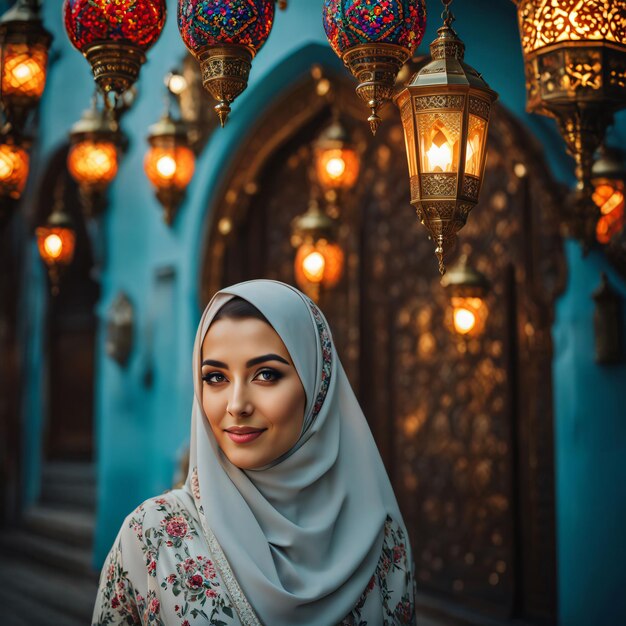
pixel 374 38
pixel 114 36
pixel 575 60
pixel 225 35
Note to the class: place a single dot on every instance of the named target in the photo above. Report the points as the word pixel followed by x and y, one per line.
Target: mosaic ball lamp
pixel 225 35
pixel 114 36
pixel 374 38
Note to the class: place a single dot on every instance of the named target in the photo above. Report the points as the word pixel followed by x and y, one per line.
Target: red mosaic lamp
pixel 374 38
pixel 114 36
pixel 225 35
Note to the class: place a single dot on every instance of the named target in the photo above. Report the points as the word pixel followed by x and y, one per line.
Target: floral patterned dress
pixel 160 572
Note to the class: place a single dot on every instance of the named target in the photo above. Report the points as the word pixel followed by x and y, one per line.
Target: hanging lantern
pixel 608 177
pixel 467 289
pixel 114 36
pixel 337 161
pixel 225 36
pixel 374 39
pixel 93 156
pixel 24 45
pixel 56 241
pixel 14 165
pixel 575 58
pixel 445 114
pixel 169 163
pixel 319 258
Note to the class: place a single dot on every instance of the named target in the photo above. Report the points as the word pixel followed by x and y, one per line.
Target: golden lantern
pixel 575 59
pixel 14 165
pixel 56 241
pixel 93 156
pixel 337 162
pixel 608 177
pixel 445 115
pixel 467 288
pixel 169 163
pixel 319 259
pixel 24 45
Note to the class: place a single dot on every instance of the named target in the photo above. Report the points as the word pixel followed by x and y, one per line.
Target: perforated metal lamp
pixel 337 162
pixel 445 113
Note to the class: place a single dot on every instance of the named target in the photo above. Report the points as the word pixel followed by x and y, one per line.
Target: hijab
pixel 296 541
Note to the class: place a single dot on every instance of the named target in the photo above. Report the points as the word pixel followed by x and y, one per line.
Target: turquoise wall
pixel 141 427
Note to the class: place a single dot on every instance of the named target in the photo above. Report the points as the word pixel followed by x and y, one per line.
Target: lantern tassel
pixel 374 120
pixel 222 109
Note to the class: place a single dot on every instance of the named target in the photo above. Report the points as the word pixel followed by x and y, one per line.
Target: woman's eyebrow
pixel 255 361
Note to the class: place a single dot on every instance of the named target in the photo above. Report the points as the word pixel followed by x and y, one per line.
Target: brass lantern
pixel 56 241
pixel 337 162
pixel 575 59
pixel 608 177
pixel 14 166
pixel 169 163
pixel 319 258
pixel 93 156
pixel 24 45
pixel 467 288
pixel 445 114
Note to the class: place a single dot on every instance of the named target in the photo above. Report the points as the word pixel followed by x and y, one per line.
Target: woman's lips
pixel 244 435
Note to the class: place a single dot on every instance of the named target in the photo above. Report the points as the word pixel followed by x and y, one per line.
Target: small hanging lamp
pixel 24 45
pixel 319 258
pixel 92 159
pixel 169 163
pixel 374 39
pixel 225 35
pixel 467 288
pixel 608 177
pixel 445 115
pixel 56 241
pixel 14 167
pixel 114 36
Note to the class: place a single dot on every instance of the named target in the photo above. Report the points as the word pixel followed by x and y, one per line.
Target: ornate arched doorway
pixel 464 426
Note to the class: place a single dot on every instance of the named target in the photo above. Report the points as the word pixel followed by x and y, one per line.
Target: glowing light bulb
pixel 336 167
pixel 439 154
pixel 23 71
pixel 166 166
pixel 53 245
pixel 464 320
pixel 177 84
pixel 6 169
pixel 313 267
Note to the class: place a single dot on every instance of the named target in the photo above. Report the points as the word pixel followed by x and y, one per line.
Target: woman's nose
pixel 239 404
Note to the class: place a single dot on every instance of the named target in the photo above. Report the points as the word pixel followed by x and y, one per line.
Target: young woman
pixel 287 516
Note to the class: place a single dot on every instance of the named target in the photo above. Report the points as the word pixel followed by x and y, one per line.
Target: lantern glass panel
pixel 609 197
pixel 476 131
pixel 320 262
pixel 469 315
pixel 337 167
pixel 24 69
pixel 93 162
pixel 439 135
pixel 169 166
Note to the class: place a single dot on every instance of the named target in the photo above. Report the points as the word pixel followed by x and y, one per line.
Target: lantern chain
pixel 447 16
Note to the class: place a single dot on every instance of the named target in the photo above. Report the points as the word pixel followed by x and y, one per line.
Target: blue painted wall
pixel 141 427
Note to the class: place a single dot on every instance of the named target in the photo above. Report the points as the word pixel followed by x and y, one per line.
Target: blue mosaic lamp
pixel 374 38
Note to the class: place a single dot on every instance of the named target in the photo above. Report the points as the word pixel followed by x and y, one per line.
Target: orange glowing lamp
pixel 337 161
pixel 609 186
pixel 14 166
pixel 56 241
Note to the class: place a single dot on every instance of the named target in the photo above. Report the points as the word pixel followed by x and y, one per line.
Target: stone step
pixel 74 527
pixel 59 556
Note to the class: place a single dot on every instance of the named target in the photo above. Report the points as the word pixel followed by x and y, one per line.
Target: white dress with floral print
pixel 160 572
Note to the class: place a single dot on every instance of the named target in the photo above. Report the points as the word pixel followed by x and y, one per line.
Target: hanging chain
pixel 447 16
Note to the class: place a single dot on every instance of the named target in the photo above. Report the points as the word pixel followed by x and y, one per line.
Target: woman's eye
pixel 213 378
pixel 268 375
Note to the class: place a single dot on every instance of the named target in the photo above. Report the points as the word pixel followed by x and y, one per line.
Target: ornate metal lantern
pixel 337 161
pixel 24 44
pixel 169 163
pixel 319 258
pixel 575 57
pixel 608 177
pixel 14 165
pixel 374 39
pixel 56 242
pixel 467 288
pixel 225 36
pixel 114 36
pixel 445 114
pixel 93 156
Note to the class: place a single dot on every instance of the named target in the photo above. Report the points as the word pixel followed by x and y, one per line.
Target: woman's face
pixel 251 393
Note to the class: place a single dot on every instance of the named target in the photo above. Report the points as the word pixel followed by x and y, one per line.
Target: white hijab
pixel 301 537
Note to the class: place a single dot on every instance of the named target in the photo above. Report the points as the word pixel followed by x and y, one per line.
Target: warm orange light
pixel 469 315
pixel 56 244
pixel 170 166
pixel 439 139
pixel 609 197
pixel 14 163
pixel 337 168
pixel 319 263
pixel 93 163
pixel 24 70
